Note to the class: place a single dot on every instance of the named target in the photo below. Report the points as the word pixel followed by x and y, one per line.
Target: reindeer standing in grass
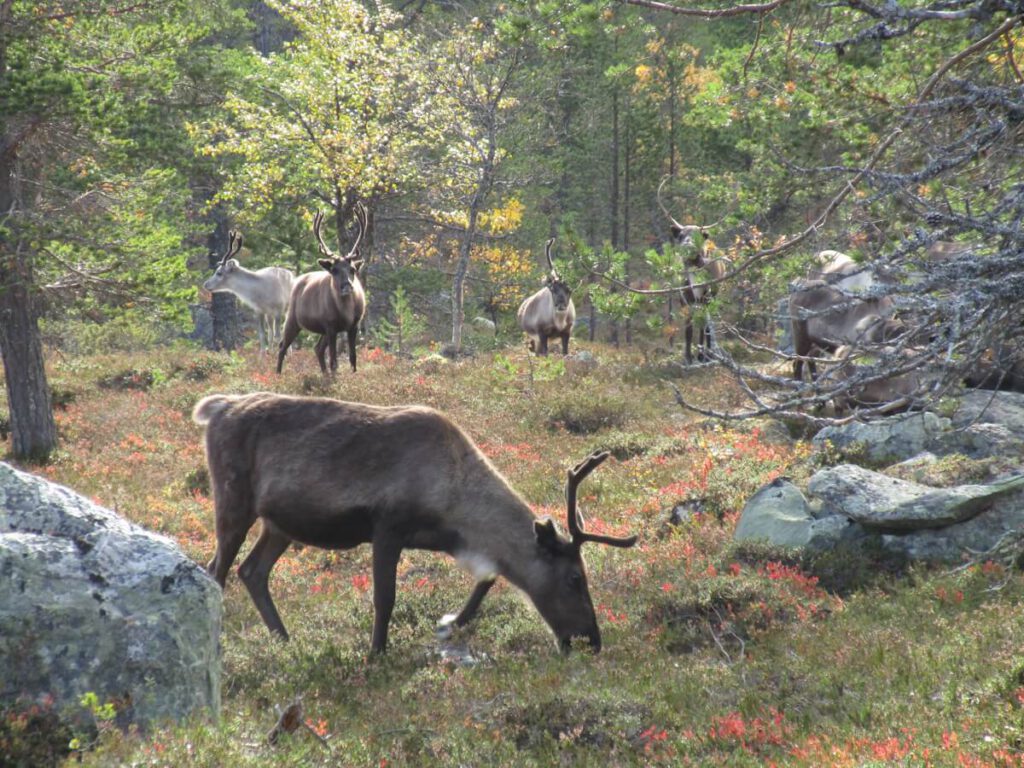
pixel 328 302
pixel 266 290
pixel 692 240
pixel 549 312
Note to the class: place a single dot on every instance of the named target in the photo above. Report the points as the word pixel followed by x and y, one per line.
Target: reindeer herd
pixel 407 477
pixel 836 310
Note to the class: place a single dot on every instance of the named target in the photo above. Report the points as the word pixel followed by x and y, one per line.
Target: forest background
pixel 133 137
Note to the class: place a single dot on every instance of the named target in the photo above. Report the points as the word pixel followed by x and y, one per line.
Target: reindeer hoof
pixel 445 627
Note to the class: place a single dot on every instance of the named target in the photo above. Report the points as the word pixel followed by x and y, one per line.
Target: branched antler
pixel 576 476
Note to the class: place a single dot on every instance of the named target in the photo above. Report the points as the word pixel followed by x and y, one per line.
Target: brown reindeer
pixel 891 394
pixel 825 318
pixel 335 475
pixel 328 302
pixel 549 312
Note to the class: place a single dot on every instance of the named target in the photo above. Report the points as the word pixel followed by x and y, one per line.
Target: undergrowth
pixel 714 654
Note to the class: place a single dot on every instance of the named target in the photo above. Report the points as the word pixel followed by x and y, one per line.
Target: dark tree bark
pixel 33 431
pixel 224 313
pixel 271 31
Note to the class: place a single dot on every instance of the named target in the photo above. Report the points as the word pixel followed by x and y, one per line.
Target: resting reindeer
pixel 891 394
pixel 549 312
pixel 328 302
pixel 335 475
pixel 266 290
pixel 692 239
pixel 824 318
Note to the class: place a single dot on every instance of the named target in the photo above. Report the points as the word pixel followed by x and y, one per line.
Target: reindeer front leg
pixel 452 621
pixel 353 335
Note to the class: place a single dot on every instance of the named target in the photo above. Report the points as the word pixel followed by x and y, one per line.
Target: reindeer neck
pixel 497 529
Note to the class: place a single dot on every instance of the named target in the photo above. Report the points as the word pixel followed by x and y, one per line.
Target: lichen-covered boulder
pixel 879 501
pixel 92 603
pixel 901 437
pixel 985 407
pixel 777 513
pixel 780 515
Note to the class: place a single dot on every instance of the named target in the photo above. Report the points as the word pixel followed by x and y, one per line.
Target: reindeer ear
pixel 547 534
pixel 357 264
pixel 325 263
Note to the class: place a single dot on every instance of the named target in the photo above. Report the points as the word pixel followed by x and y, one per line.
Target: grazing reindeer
pixel 266 290
pixel 549 312
pixel 693 238
pixel 335 475
pixel 328 302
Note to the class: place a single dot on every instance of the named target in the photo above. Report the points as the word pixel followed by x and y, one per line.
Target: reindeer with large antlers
pixel 335 475
pixel 266 290
pixel 328 302
pixel 692 238
pixel 549 312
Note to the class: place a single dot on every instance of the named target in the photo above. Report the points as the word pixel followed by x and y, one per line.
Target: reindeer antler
pixel 702 228
pixel 234 246
pixel 361 221
pixel 576 475
pixel 318 220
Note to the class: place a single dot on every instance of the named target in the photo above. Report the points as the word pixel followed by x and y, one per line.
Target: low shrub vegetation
pixel 714 653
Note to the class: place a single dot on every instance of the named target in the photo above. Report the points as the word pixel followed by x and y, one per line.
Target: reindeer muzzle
pixel 593 639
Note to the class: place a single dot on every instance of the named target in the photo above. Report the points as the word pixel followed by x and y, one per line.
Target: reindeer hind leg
pixel 234 518
pixel 255 574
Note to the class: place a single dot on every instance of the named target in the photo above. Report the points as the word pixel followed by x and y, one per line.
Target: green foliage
pixel 404 328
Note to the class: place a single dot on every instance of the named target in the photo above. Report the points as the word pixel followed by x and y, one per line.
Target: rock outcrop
pixel 93 603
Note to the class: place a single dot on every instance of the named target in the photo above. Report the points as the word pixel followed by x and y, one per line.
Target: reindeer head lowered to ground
pixel 335 475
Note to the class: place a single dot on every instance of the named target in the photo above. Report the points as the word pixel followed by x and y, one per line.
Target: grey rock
pixel 984 407
pixel 892 439
pixel 827 532
pixel 777 513
pixel 93 603
pixel 953 543
pixel 982 440
pixel 898 438
pixel 880 501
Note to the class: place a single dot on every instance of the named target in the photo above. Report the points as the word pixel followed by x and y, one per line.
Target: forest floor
pixel 714 654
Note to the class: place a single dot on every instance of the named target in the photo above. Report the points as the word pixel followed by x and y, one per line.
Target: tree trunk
pixel 224 313
pixel 33 431
pixel 461 270
pixel 270 30
pixel 671 118
pixel 613 202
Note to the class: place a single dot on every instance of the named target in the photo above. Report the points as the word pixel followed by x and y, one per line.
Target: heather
pixel 714 653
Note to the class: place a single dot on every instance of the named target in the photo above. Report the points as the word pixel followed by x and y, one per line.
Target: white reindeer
pixel 266 290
